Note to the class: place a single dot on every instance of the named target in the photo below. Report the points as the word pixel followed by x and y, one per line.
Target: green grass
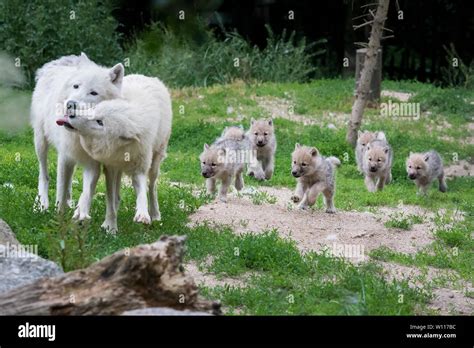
pixel 282 279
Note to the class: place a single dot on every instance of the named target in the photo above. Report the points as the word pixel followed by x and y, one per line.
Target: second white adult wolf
pixel 70 81
pixel 129 135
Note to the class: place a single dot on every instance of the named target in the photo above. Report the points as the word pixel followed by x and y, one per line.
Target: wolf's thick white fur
pixel 130 135
pixel 70 78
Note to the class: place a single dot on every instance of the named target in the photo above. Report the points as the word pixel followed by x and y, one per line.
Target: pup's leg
pixel 269 168
pixel 211 186
pixel 111 179
pixel 381 182
pixel 256 171
pixel 118 181
pixel 64 178
pixel 388 178
pixel 370 184
pixel 329 201
pixel 153 175
pixel 139 184
pixel 442 183
pixel 226 181
pixel 41 147
pixel 89 179
pixel 313 193
pixel 299 192
pixel 239 180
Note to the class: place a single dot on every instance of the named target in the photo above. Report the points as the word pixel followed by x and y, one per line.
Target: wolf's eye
pixel 370 158
pixel 379 160
pixel 265 133
pixel 100 123
pixel 213 164
pixel 94 93
pixel 255 133
pixel 204 162
pixel 363 144
pixel 409 166
pixel 303 164
pixel 294 162
pixel 418 168
pixel 75 86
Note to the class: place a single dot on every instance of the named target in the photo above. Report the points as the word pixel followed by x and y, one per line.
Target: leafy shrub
pixel 39 31
pixel 180 61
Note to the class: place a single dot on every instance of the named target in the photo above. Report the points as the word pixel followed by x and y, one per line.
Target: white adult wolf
pixel 129 135
pixel 61 86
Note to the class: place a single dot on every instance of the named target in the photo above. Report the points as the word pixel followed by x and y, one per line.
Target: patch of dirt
pixel 401 96
pixel 449 302
pixel 284 108
pixel 461 168
pixel 315 229
pixel 207 279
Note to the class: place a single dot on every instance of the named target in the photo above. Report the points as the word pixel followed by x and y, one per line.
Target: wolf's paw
pixel 156 216
pixel 41 204
pixel 80 216
pixel 331 210
pixel 303 207
pixel 143 218
pixel 250 173
pixel 70 203
pixel 295 198
pixel 259 176
pixel 223 199
pixel 109 227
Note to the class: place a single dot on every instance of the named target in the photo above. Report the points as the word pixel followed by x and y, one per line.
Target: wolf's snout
pixel 412 176
pixel 373 169
pixel 71 108
pixel 295 173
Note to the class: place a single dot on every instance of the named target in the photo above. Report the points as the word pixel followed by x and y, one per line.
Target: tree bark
pixel 149 275
pixel 363 89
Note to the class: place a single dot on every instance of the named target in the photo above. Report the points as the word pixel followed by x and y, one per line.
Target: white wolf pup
pixel 225 160
pixel 263 140
pixel 363 139
pixel 315 174
pixel 129 135
pixel 62 86
pixel 377 165
pixel 423 168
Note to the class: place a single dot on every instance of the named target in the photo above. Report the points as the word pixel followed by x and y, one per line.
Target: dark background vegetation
pixel 430 34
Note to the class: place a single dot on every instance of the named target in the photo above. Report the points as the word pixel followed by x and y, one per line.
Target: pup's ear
pixel 385 149
pixel 411 153
pixel 313 151
pixel 427 157
pixel 380 135
pixel 297 146
pixel 116 74
pixel 359 133
pixel 206 147
pixel 270 122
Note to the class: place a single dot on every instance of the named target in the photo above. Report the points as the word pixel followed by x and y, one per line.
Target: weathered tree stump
pixel 149 275
pixel 376 81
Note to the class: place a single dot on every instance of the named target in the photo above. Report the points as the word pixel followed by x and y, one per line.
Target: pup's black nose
pixel 71 107
pixel 294 173
pixel 373 169
pixel 412 176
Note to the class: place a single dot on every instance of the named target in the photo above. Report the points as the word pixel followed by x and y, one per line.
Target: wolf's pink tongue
pixel 61 121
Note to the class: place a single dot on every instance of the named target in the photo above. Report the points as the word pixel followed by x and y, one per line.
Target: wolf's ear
pixel 206 147
pixel 380 135
pixel 297 146
pixel 411 153
pixel 359 133
pixel 313 151
pixel 427 157
pixel 385 149
pixel 270 122
pixel 252 121
pixel 85 58
pixel 116 74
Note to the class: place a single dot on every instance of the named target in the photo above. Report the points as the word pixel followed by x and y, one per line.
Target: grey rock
pixel 20 267
pixel 157 311
pixel 6 234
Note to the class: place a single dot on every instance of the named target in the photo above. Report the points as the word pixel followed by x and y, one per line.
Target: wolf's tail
pixel 334 161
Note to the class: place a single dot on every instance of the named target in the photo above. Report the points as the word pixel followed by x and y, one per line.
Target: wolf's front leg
pixel 269 168
pixel 226 180
pixel 210 186
pixel 313 193
pixel 256 170
pixel 41 148
pixel 64 177
pixel 112 176
pixel 369 183
pixel 381 183
pixel 299 192
pixel 139 184
pixel 89 180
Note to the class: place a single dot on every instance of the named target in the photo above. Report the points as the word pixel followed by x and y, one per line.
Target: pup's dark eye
pixel 418 168
pixel 75 86
pixel 294 162
pixel 370 158
pixel 265 133
pixel 379 160
pixel 303 164
pixel 255 133
pixel 363 144
pixel 213 164
pixel 94 93
pixel 409 166
pixel 99 122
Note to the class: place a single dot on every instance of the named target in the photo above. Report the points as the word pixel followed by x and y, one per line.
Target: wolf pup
pixel 423 168
pixel 262 138
pixel 225 160
pixel 363 139
pixel 377 165
pixel 315 174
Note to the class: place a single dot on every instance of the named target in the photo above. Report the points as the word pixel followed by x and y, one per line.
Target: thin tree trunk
pixel 363 89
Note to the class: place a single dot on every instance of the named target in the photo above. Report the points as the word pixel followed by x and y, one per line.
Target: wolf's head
pixel 261 131
pixel 417 165
pixel 305 160
pixel 212 160
pixel 89 85
pixel 376 157
pixel 365 137
pixel 108 120
pixel 233 132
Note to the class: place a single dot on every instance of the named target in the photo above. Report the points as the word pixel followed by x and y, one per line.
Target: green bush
pixel 39 31
pixel 181 61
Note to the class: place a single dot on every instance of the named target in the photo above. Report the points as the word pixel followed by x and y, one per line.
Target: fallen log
pixel 149 275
